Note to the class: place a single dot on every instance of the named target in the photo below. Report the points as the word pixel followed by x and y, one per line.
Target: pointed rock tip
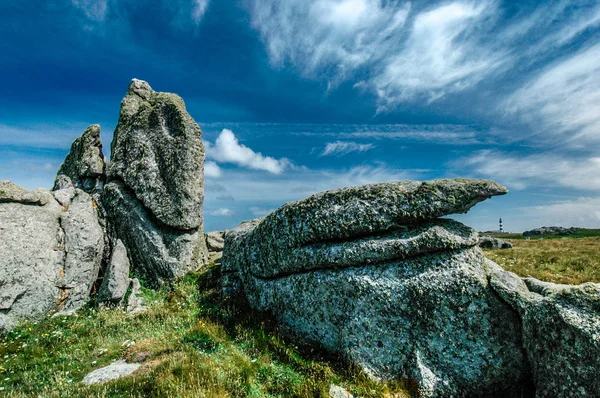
pixel 140 88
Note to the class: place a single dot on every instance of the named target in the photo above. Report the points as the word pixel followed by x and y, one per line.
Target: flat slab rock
pixel 114 371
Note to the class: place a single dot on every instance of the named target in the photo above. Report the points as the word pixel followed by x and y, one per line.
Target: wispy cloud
pixel 563 100
pixel 222 212
pixel 93 9
pixel 344 148
pixel 519 172
pixel 441 55
pixel 227 149
pixel 198 9
pixel 438 53
pixel 182 11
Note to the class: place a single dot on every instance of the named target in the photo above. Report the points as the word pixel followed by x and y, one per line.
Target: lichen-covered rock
pixel 84 247
pixel 31 253
pixel 561 332
pixel 85 163
pixel 116 277
pixel 155 187
pixel 157 151
pixel 489 242
pixel 371 274
pixel 367 210
pixel 157 252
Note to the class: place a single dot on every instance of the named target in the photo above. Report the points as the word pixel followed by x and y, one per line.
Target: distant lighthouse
pixel 500 229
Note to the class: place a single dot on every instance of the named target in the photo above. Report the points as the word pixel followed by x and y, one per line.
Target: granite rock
pixel 157 152
pixel 85 164
pixel 370 273
pixel 561 332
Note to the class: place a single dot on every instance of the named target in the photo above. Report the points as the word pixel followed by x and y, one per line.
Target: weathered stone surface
pixel 157 251
pixel 561 332
pixel 135 303
pixel 214 244
pixel 370 273
pixel 157 151
pixel 31 253
pixel 215 241
pixel 49 256
pixel 85 163
pixel 488 242
pixel 114 371
pixel 116 277
pixel 361 211
pixel 12 193
pixel 84 246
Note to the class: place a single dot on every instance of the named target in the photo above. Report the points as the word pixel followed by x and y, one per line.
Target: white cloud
pixel 222 212
pixel 520 172
pixel 564 100
pixel 437 54
pixel 199 9
pixel 582 212
pixel 227 149
pixel 211 170
pixel 344 148
pixel 93 9
pixel 441 55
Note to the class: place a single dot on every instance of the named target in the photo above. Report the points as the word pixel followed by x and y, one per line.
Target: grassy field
pixel 571 260
pixel 200 345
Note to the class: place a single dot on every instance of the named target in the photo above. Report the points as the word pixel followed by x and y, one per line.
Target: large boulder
pixel 489 242
pixel 84 247
pixel 157 152
pixel 31 253
pixel 372 274
pixel 50 254
pixel 561 332
pixel 155 190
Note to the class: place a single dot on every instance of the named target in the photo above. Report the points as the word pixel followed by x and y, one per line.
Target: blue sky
pixel 299 96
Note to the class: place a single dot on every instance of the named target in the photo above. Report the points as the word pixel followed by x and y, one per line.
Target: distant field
pixel 571 259
pixel 584 233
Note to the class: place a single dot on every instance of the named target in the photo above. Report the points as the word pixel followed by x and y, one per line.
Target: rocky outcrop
pixel 489 242
pixel 85 164
pixel 157 152
pixel 215 241
pixel 561 332
pixel 84 248
pixel 50 254
pixel 372 274
pixel 31 253
pixel 155 188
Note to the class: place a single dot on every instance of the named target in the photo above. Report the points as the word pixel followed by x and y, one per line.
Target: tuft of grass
pixel 569 260
pixel 197 344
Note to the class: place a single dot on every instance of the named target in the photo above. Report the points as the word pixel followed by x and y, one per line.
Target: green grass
pixel 201 345
pixel 572 260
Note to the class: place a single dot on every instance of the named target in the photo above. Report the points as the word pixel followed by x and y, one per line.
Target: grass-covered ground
pixel 200 345
pixel 570 260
